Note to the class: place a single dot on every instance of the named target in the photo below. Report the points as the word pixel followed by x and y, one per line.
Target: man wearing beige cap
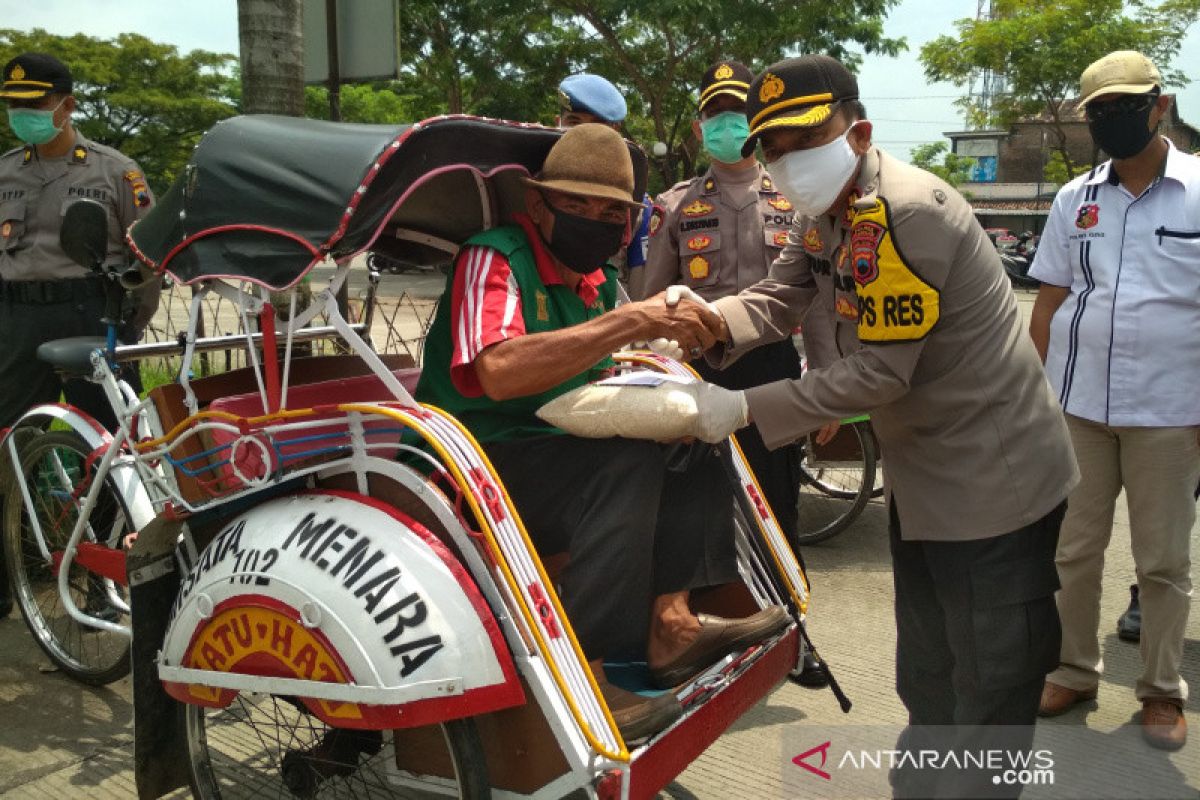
pixel 530 313
pixel 1115 321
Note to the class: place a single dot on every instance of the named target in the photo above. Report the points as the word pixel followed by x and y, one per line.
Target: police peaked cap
pixel 33 75
pixel 725 77
pixel 799 92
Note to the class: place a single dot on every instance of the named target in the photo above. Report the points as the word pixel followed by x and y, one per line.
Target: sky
pixel 906 108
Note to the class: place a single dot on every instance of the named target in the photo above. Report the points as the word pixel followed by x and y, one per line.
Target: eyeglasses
pixel 1121 106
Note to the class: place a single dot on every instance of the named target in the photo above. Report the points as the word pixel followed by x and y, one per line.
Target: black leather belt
pixel 63 290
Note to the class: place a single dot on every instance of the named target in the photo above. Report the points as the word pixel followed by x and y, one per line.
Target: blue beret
pixel 592 94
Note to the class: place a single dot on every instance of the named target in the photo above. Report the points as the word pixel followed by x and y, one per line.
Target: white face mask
pixel 813 179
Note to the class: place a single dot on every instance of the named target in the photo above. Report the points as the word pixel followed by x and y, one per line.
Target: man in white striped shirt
pixel 1115 322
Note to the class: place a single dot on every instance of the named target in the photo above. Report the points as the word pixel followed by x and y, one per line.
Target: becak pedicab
pixel 338 596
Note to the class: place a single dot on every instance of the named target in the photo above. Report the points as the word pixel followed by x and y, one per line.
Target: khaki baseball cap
pixel 1120 72
pixel 591 160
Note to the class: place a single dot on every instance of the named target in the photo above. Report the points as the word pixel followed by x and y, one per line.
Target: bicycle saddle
pixel 73 355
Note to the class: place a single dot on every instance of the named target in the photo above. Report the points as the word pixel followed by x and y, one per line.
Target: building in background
pixel 1007 186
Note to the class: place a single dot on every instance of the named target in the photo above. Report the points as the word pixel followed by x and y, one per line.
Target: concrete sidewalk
pixel 61 740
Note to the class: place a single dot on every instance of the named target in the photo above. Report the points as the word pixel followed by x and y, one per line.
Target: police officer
pixel 979 460
pixel 718 234
pixel 45 295
pixel 590 98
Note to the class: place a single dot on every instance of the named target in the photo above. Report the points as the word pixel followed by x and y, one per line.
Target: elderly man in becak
pixel 1116 321
pixel 978 461
pixel 530 313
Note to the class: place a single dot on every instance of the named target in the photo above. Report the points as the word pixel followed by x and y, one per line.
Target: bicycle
pixel 837 480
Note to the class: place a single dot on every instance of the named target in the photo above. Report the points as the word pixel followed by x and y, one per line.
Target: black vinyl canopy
pixel 266 198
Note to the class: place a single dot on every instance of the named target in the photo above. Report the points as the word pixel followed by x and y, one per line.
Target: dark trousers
pixel 778 471
pixel 632 528
pixel 977 631
pixel 27 381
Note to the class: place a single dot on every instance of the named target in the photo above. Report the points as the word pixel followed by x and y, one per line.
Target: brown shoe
pixel 638 717
pixel 1163 725
pixel 1059 699
pixel 718 637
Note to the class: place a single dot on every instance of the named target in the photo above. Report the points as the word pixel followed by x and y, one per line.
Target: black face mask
pixel 582 244
pixel 1123 135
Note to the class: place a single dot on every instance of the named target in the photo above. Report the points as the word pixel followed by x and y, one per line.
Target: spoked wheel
pixel 834 492
pixel 53 466
pixel 264 746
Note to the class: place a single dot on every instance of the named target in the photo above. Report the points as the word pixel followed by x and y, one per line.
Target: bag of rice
pixel 635 405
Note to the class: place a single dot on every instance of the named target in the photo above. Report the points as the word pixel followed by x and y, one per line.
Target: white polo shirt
pixel 1125 344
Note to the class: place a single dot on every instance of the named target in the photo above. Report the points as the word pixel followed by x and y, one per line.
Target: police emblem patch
pixel 780 203
pixel 780 238
pixel 723 73
pixel 697 243
pixel 1088 216
pixel 846 309
pixel 772 87
pixel 137 185
pixel 767 185
pixel 697 208
pixel 698 268
pixel 656 218
pixel 864 244
pixel 709 185
pixel 812 241
pixel 17 73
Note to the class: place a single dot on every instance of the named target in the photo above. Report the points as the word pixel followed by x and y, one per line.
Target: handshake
pixel 683 324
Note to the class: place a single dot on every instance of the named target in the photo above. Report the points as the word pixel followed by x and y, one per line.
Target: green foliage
pixel 1058 171
pixel 504 58
pixel 361 102
pixel 146 99
pixel 1042 48
pixel 950 167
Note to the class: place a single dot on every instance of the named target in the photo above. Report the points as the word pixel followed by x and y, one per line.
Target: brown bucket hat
pixel 590 160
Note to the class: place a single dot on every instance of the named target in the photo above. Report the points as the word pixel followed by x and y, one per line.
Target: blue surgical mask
pixel 34 125
pixel 724 135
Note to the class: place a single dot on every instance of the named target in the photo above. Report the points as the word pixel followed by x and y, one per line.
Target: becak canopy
pixel 266 198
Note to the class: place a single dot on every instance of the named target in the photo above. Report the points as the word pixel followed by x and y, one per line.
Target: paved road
pixel 60 740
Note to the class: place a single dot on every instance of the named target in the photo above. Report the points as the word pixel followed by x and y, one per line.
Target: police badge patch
pixel 812 241
pixel 864 244
pixel 656 218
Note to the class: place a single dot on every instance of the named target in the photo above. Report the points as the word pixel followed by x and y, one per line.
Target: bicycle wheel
pixel 52 465
pixel 834 493
pixel 268 746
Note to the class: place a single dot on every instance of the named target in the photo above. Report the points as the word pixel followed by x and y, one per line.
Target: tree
pixel 953 169
pixel 360 103
pixel 1042 48
pixel 143 98
pixel 504 58
pixel 658 52
pixel 271 39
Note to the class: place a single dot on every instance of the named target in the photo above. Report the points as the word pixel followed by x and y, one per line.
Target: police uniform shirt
pixel 35 193
pixel 1124 349
pixel 717 233
pixel 933 347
